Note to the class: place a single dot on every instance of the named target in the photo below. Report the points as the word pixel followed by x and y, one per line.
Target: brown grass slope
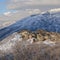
pixel 35 51
pixel 38 50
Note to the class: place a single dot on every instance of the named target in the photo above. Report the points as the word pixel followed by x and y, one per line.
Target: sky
pixel 11 10
pixel 11 5
pixel 2 5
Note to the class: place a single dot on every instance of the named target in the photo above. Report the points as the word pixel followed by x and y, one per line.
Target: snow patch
pixel 48 42
pixel 7 46
pixel 30 40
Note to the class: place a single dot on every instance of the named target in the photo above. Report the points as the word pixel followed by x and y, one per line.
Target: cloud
pixel 17 15
pixel 10 13
pixel 18 4
pixel 33 11
pixel 43 2
pixel 7 13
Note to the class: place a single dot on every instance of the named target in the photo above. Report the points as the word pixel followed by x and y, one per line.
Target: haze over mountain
pixel 49 21
pixel 10 17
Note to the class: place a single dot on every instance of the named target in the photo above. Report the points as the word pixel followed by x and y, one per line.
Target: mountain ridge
pixel 49 21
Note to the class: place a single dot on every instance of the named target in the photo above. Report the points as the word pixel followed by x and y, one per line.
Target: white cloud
pixel 7 13
pixel 33 11
pixel 16 4
pixel 38 1
pixel 10 13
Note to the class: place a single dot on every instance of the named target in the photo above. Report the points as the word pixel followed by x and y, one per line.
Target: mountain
pixel 49 21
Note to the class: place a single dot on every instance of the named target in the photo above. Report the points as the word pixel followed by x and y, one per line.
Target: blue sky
pixel 2 6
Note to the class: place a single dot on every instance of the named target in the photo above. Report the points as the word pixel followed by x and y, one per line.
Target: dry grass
pixel 38 52
pixel 35 51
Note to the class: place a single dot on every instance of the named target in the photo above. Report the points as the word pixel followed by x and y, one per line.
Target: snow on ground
pixel 50 43
pixel 7 46
pixel 30 40
pixel 10 42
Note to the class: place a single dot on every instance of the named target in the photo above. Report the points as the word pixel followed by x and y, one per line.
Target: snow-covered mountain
pixel 49 21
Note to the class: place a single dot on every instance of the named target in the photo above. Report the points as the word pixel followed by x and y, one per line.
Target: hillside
pixel 49 21
pixel 26 45
pixel 36 37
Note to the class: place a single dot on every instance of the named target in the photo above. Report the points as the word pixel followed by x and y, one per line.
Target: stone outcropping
pixel 40 35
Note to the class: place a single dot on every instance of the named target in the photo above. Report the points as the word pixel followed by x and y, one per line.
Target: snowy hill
pixel 49 21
